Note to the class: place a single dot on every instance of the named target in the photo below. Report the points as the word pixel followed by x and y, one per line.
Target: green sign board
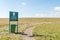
pixel 13 16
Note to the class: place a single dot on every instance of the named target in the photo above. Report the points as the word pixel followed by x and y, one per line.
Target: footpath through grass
pixel 5 35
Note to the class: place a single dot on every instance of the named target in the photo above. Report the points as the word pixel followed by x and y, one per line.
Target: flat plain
pixel 45 28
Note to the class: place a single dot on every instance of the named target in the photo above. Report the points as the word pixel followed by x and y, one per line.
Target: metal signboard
pixel 13 16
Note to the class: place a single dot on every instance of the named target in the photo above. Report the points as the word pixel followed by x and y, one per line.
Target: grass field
pixel 48 30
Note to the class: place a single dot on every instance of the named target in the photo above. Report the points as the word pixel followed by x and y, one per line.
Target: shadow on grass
pixel 36 35
pixel 41 36
pixel 22 33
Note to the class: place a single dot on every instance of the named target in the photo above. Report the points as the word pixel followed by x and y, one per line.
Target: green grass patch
pixel 49 31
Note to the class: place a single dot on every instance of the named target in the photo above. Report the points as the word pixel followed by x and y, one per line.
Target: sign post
pixel 13 17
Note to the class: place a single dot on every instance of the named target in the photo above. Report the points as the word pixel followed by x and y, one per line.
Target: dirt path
pixel 29 33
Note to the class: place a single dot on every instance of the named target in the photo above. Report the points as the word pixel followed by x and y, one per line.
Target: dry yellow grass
pixel 27 20
pixel 23 24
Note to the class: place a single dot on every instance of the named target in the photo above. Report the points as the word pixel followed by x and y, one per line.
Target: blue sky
pixel 31 8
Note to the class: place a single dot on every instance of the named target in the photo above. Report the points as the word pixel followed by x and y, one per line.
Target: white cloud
pixel 57 8
pixel 37 14
pixel 48 15
pixel 40 15
pixel 23 3
pixel 55 13
pixel 51 14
